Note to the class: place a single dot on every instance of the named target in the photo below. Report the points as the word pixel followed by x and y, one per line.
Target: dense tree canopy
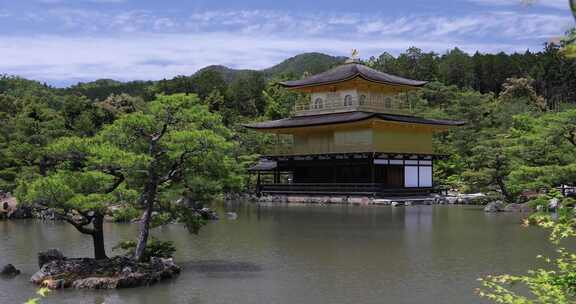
pixel 184 152
pixel 173 149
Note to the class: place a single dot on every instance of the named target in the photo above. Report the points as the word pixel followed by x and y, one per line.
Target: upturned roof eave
pixel 286 84
pixel 283 156
pixel 389 117
pixel 256 127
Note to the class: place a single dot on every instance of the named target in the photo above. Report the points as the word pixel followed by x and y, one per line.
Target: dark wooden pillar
pixel 258 181
pixel 433 183
pixel 334 164
pixel 372 169
pixel 276 176
pixel 249 181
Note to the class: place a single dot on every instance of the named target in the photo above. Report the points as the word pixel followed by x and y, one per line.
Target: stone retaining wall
pixel 433 199
pixel 350 200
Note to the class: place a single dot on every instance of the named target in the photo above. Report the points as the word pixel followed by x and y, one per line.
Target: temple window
pixel 362 99
pixel 348 100
pixel 318 104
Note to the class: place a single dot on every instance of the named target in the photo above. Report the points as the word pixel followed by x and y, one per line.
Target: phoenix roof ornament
pixel 353 57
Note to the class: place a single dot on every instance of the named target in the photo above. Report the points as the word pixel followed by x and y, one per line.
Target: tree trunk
pixel 149 194
pixel 43 166
pixel 98 237
pixel 144 232
pixel 148 199
pixel 502 185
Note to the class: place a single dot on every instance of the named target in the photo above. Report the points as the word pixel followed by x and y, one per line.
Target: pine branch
pixel 81 228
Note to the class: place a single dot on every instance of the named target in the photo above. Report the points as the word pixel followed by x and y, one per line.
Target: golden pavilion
pixel 354 136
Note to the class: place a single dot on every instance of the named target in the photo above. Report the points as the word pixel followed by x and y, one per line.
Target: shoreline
pixel 434 199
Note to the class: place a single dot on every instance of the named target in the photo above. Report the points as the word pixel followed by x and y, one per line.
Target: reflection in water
pixel 302 254
pixel 220 266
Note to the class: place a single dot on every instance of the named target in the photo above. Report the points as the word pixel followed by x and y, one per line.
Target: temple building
pixel 354 136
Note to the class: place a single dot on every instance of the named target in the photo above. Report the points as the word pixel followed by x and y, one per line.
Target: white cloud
pixel 557 4
pixel 155 56
pixel 509 24
pixel 164 24
pixel 145 45
pixel 489 26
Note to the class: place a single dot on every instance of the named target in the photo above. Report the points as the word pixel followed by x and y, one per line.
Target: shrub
pixel 539 203
pixel 569 202
pixel 125 214
pixel 556 285
pixel 154 248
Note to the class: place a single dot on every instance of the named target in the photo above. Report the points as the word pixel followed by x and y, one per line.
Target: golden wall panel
pixel 367 137
pixel 403 141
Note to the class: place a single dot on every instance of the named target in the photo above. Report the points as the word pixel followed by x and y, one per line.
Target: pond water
pixel 302 254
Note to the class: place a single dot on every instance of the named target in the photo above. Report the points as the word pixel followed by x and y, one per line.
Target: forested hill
pixel 228 74
pixel 554 76
pixel 293 67
pixel 311 63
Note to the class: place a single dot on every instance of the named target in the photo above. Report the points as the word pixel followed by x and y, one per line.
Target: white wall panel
pixel 410 176
pixel 425 177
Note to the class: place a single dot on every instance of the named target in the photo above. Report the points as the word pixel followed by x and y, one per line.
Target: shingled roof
pixel 337 118
pixel 350 71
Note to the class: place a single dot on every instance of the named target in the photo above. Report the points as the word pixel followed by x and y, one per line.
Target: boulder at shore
pixel 48 256
pixel 496 206
pixel 518 208
pixel 9 271
pixel 117 272
pixel 9 208
pixel 7 204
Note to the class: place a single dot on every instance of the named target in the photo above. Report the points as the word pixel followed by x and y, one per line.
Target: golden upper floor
pixel 353 87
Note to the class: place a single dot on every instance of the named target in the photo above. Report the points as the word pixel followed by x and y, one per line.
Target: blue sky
pixel 65 41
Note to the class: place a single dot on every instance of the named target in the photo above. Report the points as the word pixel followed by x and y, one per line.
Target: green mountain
pixel 227 73
pixel 293 68
pixel 312 63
